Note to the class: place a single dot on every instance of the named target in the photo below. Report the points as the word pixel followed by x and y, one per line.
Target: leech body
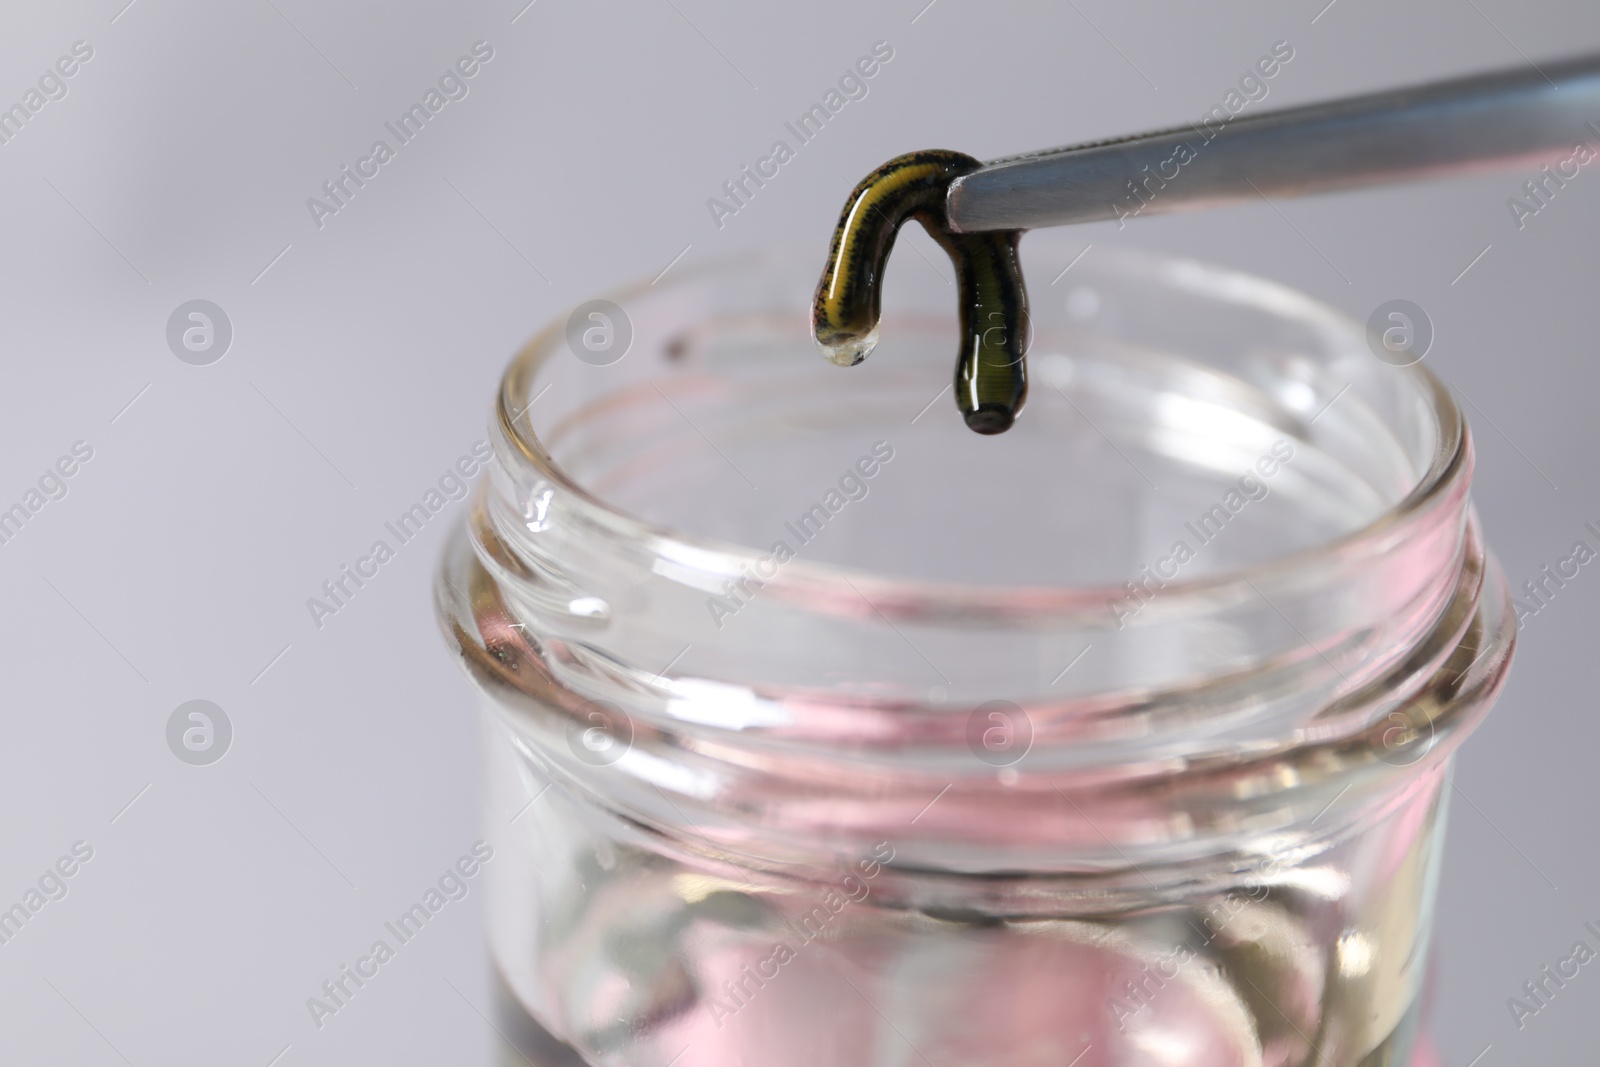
pixel 991 378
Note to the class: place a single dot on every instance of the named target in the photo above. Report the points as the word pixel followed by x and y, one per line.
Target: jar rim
pixel 1444 477
pixel 564 603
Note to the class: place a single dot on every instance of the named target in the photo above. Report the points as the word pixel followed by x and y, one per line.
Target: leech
pixel 991 379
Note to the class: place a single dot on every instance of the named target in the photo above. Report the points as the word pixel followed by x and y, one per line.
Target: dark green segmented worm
pixel 991 378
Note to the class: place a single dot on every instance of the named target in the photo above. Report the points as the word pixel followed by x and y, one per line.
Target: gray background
pixel 362 365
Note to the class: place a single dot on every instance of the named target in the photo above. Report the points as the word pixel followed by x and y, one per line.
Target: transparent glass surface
pixel 822 730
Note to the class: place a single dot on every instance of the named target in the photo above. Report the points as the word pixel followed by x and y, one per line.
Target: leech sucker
pixel 991 379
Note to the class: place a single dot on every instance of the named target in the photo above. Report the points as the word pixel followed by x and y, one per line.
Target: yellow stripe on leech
pixel 881 188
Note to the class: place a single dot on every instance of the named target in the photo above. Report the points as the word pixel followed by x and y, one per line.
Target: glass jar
pixel 822 730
